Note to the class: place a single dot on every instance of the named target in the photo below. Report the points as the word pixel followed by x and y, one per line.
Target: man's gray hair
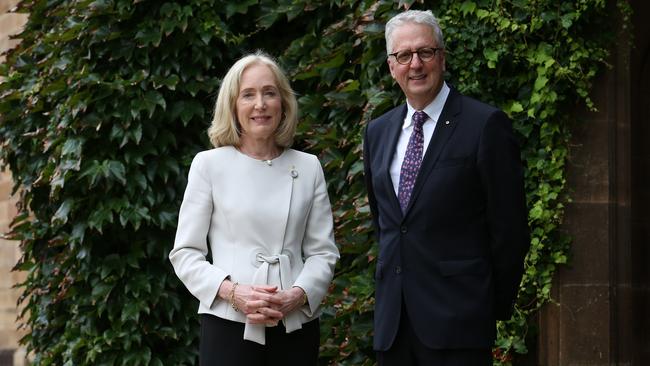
pixel 413 16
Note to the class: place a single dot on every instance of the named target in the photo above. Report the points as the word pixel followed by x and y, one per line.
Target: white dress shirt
pixel 432 110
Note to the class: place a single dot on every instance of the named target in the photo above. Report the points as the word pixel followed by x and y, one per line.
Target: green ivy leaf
pixel 467 7
pixel 61 214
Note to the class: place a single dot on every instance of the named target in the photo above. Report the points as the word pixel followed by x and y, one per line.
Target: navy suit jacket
pixel 455 257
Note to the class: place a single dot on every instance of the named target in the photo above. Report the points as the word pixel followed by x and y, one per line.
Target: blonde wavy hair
pixel 225 129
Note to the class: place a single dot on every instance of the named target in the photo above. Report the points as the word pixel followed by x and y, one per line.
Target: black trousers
pixel 408 350
pixel 222 344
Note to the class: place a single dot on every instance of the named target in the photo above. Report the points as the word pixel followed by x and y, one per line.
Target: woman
pixel 262 211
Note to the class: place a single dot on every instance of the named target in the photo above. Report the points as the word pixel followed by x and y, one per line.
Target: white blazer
pixel 264 222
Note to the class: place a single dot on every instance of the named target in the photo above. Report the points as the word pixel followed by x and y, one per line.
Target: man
pixel 445 186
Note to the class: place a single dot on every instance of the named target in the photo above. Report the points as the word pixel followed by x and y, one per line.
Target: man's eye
pixel 425 53
pixel 404 56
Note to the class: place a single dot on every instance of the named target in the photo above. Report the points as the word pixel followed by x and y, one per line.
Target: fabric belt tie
pixel 257 332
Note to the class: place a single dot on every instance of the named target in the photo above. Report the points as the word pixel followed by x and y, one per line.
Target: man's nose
pixel 415 60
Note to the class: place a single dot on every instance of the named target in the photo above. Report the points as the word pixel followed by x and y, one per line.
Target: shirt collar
pixel 433 109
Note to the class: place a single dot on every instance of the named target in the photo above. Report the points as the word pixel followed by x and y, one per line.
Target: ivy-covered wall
pixel 105 102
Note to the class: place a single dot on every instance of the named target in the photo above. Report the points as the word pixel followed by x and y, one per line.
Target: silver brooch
pixel 446 122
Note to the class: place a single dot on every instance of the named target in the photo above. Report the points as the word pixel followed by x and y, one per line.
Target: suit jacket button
pixel 398 269
pixel 403 229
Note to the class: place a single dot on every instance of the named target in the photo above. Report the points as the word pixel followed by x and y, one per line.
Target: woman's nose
pixel 259 102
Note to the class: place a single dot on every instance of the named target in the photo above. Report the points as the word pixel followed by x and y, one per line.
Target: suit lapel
pixel 445 127
pixel 396 120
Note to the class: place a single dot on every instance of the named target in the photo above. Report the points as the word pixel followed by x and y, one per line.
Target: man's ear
pixel 390 67
pixel 444 64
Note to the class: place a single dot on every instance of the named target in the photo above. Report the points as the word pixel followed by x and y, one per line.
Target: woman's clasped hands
pixel 262 304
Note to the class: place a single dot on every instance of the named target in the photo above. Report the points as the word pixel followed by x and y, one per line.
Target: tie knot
pixel 418 118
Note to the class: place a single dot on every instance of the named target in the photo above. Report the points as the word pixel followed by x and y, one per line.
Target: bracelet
pixel 232 296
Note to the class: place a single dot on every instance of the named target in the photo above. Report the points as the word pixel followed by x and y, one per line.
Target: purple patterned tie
pixel 412 160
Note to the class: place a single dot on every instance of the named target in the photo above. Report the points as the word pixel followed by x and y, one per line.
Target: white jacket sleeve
pixel 188 256
pixel 318 247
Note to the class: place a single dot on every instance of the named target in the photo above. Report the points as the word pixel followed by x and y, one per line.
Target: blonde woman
pixel 262 210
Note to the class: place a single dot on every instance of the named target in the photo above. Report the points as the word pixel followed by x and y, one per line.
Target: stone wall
pixel 601 314
pixel 10 353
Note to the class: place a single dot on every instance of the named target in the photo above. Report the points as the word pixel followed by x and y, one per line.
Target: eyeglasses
pixel 425 54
